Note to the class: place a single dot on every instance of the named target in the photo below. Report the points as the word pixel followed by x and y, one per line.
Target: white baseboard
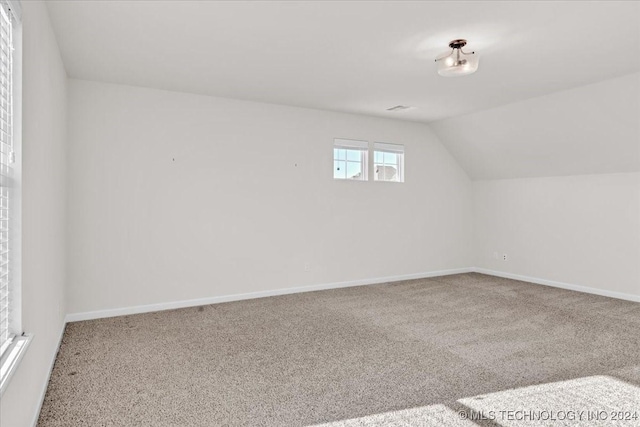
pixel 123 311
pixel 579 288
pixel 43 392
pixel 76 317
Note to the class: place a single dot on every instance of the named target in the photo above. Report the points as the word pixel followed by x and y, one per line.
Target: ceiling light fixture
pixel 457 62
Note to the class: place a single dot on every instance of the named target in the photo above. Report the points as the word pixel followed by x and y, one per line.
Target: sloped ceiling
pixel 587 130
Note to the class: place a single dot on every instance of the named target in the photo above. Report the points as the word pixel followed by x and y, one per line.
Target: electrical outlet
pixel 504 257
pixel 496 255
pixel 307 266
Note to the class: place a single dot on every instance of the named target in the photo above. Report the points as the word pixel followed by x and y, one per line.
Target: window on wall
pixel 350 159
pixel 13 342
pixel 388 162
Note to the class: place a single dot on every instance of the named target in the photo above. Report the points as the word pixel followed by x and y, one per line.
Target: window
pixel 388 162
pixel 12 342
pixel 350 159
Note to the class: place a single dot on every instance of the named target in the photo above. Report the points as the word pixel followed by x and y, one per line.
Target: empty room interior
pixel 319 213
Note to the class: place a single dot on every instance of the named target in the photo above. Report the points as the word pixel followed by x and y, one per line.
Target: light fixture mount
pixel 457 43
pixel 457 62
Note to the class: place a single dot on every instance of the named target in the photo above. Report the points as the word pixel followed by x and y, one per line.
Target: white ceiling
pixel 360 57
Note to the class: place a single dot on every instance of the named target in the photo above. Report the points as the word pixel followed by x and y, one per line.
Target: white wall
pixel 579 230
pixel 587 130
pixel 178 196
pixel 43 219
pixel 547 184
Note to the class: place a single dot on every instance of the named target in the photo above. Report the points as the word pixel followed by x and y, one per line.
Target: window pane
pixel 339 170
pixel 350 159
pixel 388 162
pixel 386 173
pixel 390 158
pixel 391 173
pixel 354 155
pixel 354 170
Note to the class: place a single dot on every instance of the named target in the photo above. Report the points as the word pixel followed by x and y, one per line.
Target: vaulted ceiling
pixel 364 57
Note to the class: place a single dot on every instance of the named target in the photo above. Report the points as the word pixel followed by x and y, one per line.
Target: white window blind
pixel 6 178
pixel 13 343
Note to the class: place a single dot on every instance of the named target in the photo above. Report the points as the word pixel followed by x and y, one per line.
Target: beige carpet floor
pixel 376 355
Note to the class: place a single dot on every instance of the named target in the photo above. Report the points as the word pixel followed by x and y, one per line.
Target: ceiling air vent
pixel 399 108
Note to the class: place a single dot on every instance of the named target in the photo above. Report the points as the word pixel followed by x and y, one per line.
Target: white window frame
pixel 398 150
pixel 350 146
pixel 14 348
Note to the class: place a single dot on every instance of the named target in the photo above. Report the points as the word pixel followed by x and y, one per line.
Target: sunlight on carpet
pixel 424 416
pixel 593 401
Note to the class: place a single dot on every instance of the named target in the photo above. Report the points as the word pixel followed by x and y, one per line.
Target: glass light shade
pixel 458 64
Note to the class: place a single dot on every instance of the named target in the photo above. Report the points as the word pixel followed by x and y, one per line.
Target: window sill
pixel 10 361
